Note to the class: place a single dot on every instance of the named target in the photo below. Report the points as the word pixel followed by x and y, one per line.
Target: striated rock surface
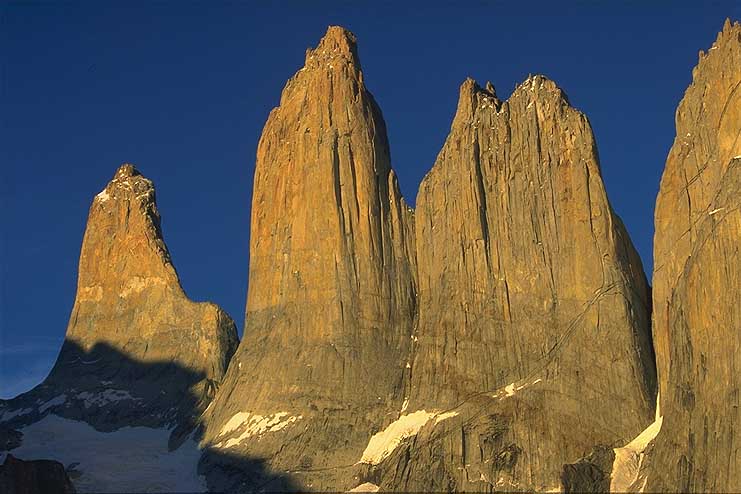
pixel 137 350
pixel 697 282
pixel 533 327
pixel 331 299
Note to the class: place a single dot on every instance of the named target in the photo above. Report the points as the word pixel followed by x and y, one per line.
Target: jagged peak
pixel 729 26
pixel 126 170
pixel 729 34
pixel 471 95
pixel 337 44
pixel 539 85
pixel 127 179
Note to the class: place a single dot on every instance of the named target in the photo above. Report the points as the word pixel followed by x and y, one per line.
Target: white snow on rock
pixel 626 467
pixel 365 487
pixel 254 425
pixel 512 388
pixel 59 400
pixel 383 443
pixel 103 196
pixel 131 459
pixel 11 414
pixel 444 416
pixel 107 396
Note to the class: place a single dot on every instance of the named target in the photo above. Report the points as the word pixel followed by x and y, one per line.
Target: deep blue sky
pixel 183 89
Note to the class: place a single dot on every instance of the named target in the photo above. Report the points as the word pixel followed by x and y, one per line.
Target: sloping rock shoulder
pixel 331 298
pixel 533 307
pixel 137 350
pixel 697 282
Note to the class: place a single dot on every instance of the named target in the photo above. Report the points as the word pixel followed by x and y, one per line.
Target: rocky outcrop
pixel 137 350
pixel 533 330
pixel 331 299
pixel 697 282
pixel 34 477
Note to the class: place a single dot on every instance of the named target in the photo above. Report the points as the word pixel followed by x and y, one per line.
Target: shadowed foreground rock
pixel 34 477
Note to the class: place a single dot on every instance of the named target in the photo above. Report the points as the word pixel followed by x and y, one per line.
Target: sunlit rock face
pixel 137 350
pixel 697 282
pixel 331 299
pixel 533 306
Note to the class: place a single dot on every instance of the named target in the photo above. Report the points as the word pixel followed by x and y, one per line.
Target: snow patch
pixel 512 388
pixel 444 416
pixel 107 396
pixel 59 400
pixel 626 467
pixel 365 487
pixel 383 443
pixel 131 459
pixel 103 196
pixel 254 425
pixel 11 414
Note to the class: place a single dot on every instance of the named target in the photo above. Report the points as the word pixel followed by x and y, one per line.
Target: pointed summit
pixel 126 170
pixel 338 41
pixel 137 350
pixel 338 46
pixel 471 96
pixel 331 280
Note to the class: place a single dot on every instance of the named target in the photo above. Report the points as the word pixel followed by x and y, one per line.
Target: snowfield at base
pixel 385 442
pixel 131 459
pixel 254 425
pixel 626 467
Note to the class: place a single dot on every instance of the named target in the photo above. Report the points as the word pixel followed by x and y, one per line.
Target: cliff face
pixel 522 262
pixel 498 339
pixel 697 282
pixel 137 350
pixel 533 328
pixel 331 298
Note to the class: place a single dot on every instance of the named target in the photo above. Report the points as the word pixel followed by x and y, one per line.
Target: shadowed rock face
pixel 331 299
pixel 697 282
pixel 131 314
pixel 533 306
pixel 34 477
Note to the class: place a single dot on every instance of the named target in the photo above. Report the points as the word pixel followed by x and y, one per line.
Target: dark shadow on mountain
pixel 232 473
pixel 108 390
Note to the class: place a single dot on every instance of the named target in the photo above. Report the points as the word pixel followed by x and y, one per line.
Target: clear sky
pixel 182 89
